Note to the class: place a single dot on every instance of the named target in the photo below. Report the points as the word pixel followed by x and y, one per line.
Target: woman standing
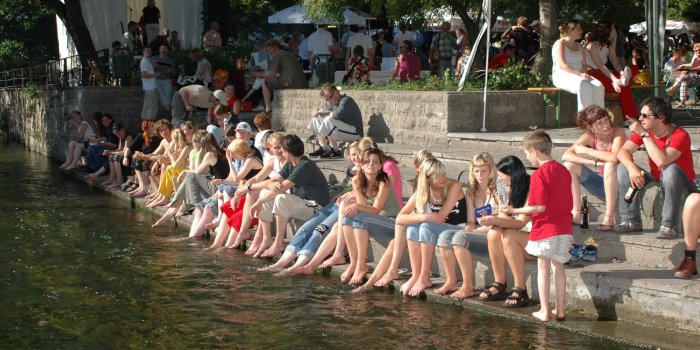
pixel 151 17
pixel 568 67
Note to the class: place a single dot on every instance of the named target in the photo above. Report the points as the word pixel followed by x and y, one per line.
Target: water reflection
pixel 81 269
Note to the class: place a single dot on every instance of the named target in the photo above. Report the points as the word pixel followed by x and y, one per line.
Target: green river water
pixel 82 270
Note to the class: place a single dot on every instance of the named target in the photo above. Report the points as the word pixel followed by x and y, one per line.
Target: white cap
pixel 221 96
pixel 244 126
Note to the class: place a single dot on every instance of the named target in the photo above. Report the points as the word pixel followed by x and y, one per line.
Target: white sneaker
pixel 258 109
pixel 625 76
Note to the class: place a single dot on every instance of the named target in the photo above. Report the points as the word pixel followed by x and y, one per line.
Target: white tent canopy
pixel 103 18
pixel 676 27
pixel 297 15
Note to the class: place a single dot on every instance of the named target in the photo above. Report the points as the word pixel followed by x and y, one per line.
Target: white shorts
pixel 333 128
pixel 555 248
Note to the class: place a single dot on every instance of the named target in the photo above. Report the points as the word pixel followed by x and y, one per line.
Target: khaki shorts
pixel 555 248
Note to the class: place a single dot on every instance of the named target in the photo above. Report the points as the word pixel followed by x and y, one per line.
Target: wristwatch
pixel 645 135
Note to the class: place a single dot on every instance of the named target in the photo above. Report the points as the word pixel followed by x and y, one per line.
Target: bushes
pixel 514 76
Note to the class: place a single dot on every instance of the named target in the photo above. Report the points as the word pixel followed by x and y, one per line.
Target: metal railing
pixel 68 71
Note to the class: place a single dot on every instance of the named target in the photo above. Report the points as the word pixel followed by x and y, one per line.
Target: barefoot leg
pixel 464 259
pixel 449 262
pixel 427 251
pixel 285 260
pixel 361 238
pixel 414 255
pixel 543 271
pixel 348 274
pixel 392 272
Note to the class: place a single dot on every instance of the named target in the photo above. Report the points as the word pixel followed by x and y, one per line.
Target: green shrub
pixel 32 91
pixel 515 76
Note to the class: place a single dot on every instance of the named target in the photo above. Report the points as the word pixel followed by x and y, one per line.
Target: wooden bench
pixel 551 97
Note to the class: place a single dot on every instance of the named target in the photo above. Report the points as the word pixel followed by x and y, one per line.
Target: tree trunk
pixel 549 32
pixel 72 16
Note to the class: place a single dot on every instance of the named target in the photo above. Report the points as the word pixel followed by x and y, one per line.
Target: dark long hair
pixel 382 177
pixel 519 179
pixel 602 32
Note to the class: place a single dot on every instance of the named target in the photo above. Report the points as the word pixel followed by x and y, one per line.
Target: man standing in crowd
pixel 212 38
pixel 148 80
pixel 285 72
pixel 670 161
pixel 442 49
pixel 188 98
pixel 320 43
pixel 360 38
pixel 163 66
pixel 343 122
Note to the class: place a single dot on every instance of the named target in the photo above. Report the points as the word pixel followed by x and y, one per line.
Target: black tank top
pixel 220 169
pixel 253 172
pixel 457 216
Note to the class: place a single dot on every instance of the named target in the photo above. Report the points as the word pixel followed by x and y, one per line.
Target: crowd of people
pixel 240 182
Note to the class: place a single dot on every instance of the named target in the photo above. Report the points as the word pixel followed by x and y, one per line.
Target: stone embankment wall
pixel 39 122
pixel 424 118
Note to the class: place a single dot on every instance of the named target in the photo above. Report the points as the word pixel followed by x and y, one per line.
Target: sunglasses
pixel 646 116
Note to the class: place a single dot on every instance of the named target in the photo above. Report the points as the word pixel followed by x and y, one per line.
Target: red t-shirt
pixel 231 101
pixel 550 185
pixel 680 140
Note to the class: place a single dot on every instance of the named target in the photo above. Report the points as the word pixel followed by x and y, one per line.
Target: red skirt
pixel 234 215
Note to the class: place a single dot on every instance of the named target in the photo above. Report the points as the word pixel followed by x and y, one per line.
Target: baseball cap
pixel 244 126
pixel 221 96
pixel 118 126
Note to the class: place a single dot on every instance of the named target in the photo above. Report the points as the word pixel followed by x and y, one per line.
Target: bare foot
pixel 388 277
pixel 363 288
pixel 159 223
pixel 158 203
pixel 212 225
pixel 408 285
pixel 283 273
pixel 245 235
pixel 541 315
pixel 273 251
pixel 359 275
pixel 558 317
pixel 419 287
pixel 332 261
pixel 347 275
pixel 262 248
pixel 272 267
pixel 304 270
pixel 463 293
pixel 446 288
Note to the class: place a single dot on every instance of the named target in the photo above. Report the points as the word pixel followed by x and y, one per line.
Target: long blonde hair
pixel 481 159
pixel 430 167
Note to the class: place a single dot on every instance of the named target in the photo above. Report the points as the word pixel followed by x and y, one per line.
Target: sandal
pixel 501 295
pixel 605 228
pixel 520 297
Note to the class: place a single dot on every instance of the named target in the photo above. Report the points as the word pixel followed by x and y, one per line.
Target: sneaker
pixel 628 226
pixel 576 252
pixel 667 233
pixel 258 109
pixel 625 76
pixel 590 253
pixel 687 268
pixel 332 153
pixel 317 152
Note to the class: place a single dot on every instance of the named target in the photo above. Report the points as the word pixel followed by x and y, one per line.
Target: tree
pixel 548 33
pixel 71 14
pixel 25 33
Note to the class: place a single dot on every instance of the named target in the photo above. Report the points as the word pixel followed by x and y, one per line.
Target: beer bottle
pixel 631 192
pixel 583 222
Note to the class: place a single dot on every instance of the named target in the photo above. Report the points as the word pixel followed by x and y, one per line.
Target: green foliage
pixel 27 33
pixel 515 76
pixel 32 91
pixel 684 9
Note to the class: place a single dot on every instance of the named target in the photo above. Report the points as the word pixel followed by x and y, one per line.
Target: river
pixel 82 269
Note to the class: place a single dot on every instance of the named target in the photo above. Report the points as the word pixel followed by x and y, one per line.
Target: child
pixel 550 204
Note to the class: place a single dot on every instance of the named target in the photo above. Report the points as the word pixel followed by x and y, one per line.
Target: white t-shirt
pixel 400 37
pixel 361 39
pixel 319 42
pixel 146 66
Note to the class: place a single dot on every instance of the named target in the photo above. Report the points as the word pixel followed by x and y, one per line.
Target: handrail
pixel 68 71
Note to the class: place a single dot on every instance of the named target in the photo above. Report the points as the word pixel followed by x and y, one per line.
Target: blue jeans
pixel 428 232
pixel 593 182
pixel 675 185
pixel 310 235
pixel 376 225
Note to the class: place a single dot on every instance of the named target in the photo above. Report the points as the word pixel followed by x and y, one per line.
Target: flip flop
pixel 605 228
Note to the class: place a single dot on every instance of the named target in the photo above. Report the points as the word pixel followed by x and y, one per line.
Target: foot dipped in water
pixel 388 277
pixel 543 314
pixel 273 251
pixel 266 243
pixel 359 275
pixel 419 287
pixel 406 287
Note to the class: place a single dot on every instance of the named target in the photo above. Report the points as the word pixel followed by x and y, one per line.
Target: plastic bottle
pixel 583 222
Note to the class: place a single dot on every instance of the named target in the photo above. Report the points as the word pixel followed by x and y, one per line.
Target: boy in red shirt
pixel 549 205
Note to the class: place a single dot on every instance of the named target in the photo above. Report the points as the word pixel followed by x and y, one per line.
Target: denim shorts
pixel 208 202
pixel 475 242
pixel 229 189
pixel 428 232
pixel 593 182
pixel 376 225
